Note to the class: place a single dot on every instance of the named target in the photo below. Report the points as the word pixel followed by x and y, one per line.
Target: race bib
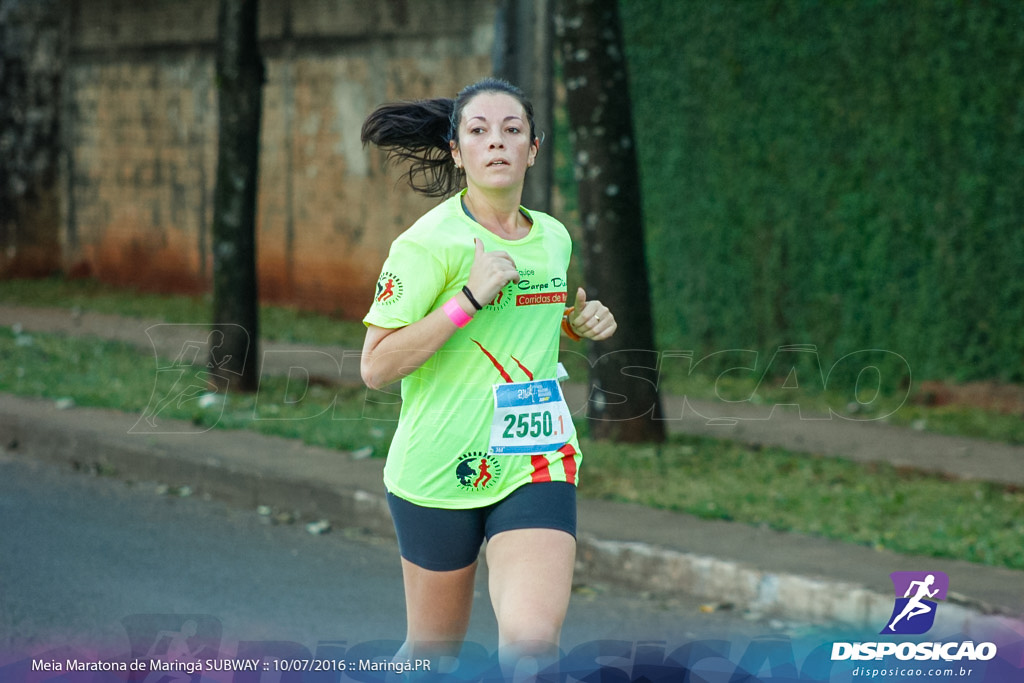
pixel 529 418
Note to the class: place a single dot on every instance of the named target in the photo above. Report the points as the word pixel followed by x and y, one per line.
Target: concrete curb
pixel 735 585
pixel 76 439
pixel 248 470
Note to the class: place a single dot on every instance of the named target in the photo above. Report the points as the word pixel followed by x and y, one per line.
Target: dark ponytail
pixel 421 133
pixel 417 132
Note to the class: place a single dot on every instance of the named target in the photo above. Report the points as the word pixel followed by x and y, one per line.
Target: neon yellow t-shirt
pixel 439 456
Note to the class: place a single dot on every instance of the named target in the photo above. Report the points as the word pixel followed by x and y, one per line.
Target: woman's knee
pixel 534 638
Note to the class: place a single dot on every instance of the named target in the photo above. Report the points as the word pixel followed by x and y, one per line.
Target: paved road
pixel 83 557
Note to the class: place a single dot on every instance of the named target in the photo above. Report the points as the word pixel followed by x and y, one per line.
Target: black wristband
pixel 472 299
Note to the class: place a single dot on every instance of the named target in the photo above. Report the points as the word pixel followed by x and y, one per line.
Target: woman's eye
pixel 513 130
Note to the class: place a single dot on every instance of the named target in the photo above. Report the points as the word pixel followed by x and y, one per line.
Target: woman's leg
pixel 438 600
pixel 438 606
pixel 530 581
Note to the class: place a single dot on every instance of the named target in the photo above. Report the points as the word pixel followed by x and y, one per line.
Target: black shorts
pixel 444 540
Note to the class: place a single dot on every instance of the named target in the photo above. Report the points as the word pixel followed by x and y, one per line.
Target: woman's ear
pixel 456 157
pixel 534 149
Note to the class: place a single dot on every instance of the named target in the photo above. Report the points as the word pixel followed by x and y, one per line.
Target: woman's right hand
pixel 389 354
pixel 491 270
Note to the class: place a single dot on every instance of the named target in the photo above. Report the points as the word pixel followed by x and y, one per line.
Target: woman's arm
pixel 391 354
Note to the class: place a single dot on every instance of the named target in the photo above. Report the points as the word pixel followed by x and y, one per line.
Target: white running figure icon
pixel 914 606
pixel 176 651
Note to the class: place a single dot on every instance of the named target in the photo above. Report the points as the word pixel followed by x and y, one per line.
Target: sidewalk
pixel 767 572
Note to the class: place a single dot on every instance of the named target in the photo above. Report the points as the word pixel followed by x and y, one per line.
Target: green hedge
pixel 843 174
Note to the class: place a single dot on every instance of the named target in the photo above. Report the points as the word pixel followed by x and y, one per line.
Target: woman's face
pixel 494 144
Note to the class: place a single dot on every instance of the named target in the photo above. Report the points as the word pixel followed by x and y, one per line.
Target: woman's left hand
pixel 591 319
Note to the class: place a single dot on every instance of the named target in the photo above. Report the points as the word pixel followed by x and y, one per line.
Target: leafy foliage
pixel 840 174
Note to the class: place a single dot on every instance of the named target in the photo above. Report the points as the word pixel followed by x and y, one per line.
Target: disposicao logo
pixel 914 612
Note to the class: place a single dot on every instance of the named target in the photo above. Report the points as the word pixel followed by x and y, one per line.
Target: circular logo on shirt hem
pixel 477 471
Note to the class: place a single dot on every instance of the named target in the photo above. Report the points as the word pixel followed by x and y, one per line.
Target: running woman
pixel 478 301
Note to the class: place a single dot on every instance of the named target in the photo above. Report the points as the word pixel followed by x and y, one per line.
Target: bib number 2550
pixel 535 424
pixel 529 418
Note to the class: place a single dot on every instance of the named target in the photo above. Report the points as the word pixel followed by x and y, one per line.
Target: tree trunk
pixel 624 403
pixel 523 55
pixel 240 78
pixel 32 45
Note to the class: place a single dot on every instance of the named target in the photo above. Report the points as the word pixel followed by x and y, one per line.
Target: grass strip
pixel 277 323
pixel 876 505
pixel 103 374
pixel 286 324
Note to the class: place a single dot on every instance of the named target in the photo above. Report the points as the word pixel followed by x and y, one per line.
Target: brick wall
pixel 141 129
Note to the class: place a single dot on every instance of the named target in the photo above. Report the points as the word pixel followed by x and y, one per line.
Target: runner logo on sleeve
pixel 389 289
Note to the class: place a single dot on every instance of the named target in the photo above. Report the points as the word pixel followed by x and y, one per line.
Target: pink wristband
pixel 455 313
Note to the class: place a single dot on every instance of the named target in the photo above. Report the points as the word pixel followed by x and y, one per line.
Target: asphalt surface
pixel 105 552
pixel 758 571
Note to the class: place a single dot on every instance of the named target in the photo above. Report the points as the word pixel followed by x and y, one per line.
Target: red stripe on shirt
pixel 529 374
pixel 541 470
pixel 504 375
pixel 569 462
